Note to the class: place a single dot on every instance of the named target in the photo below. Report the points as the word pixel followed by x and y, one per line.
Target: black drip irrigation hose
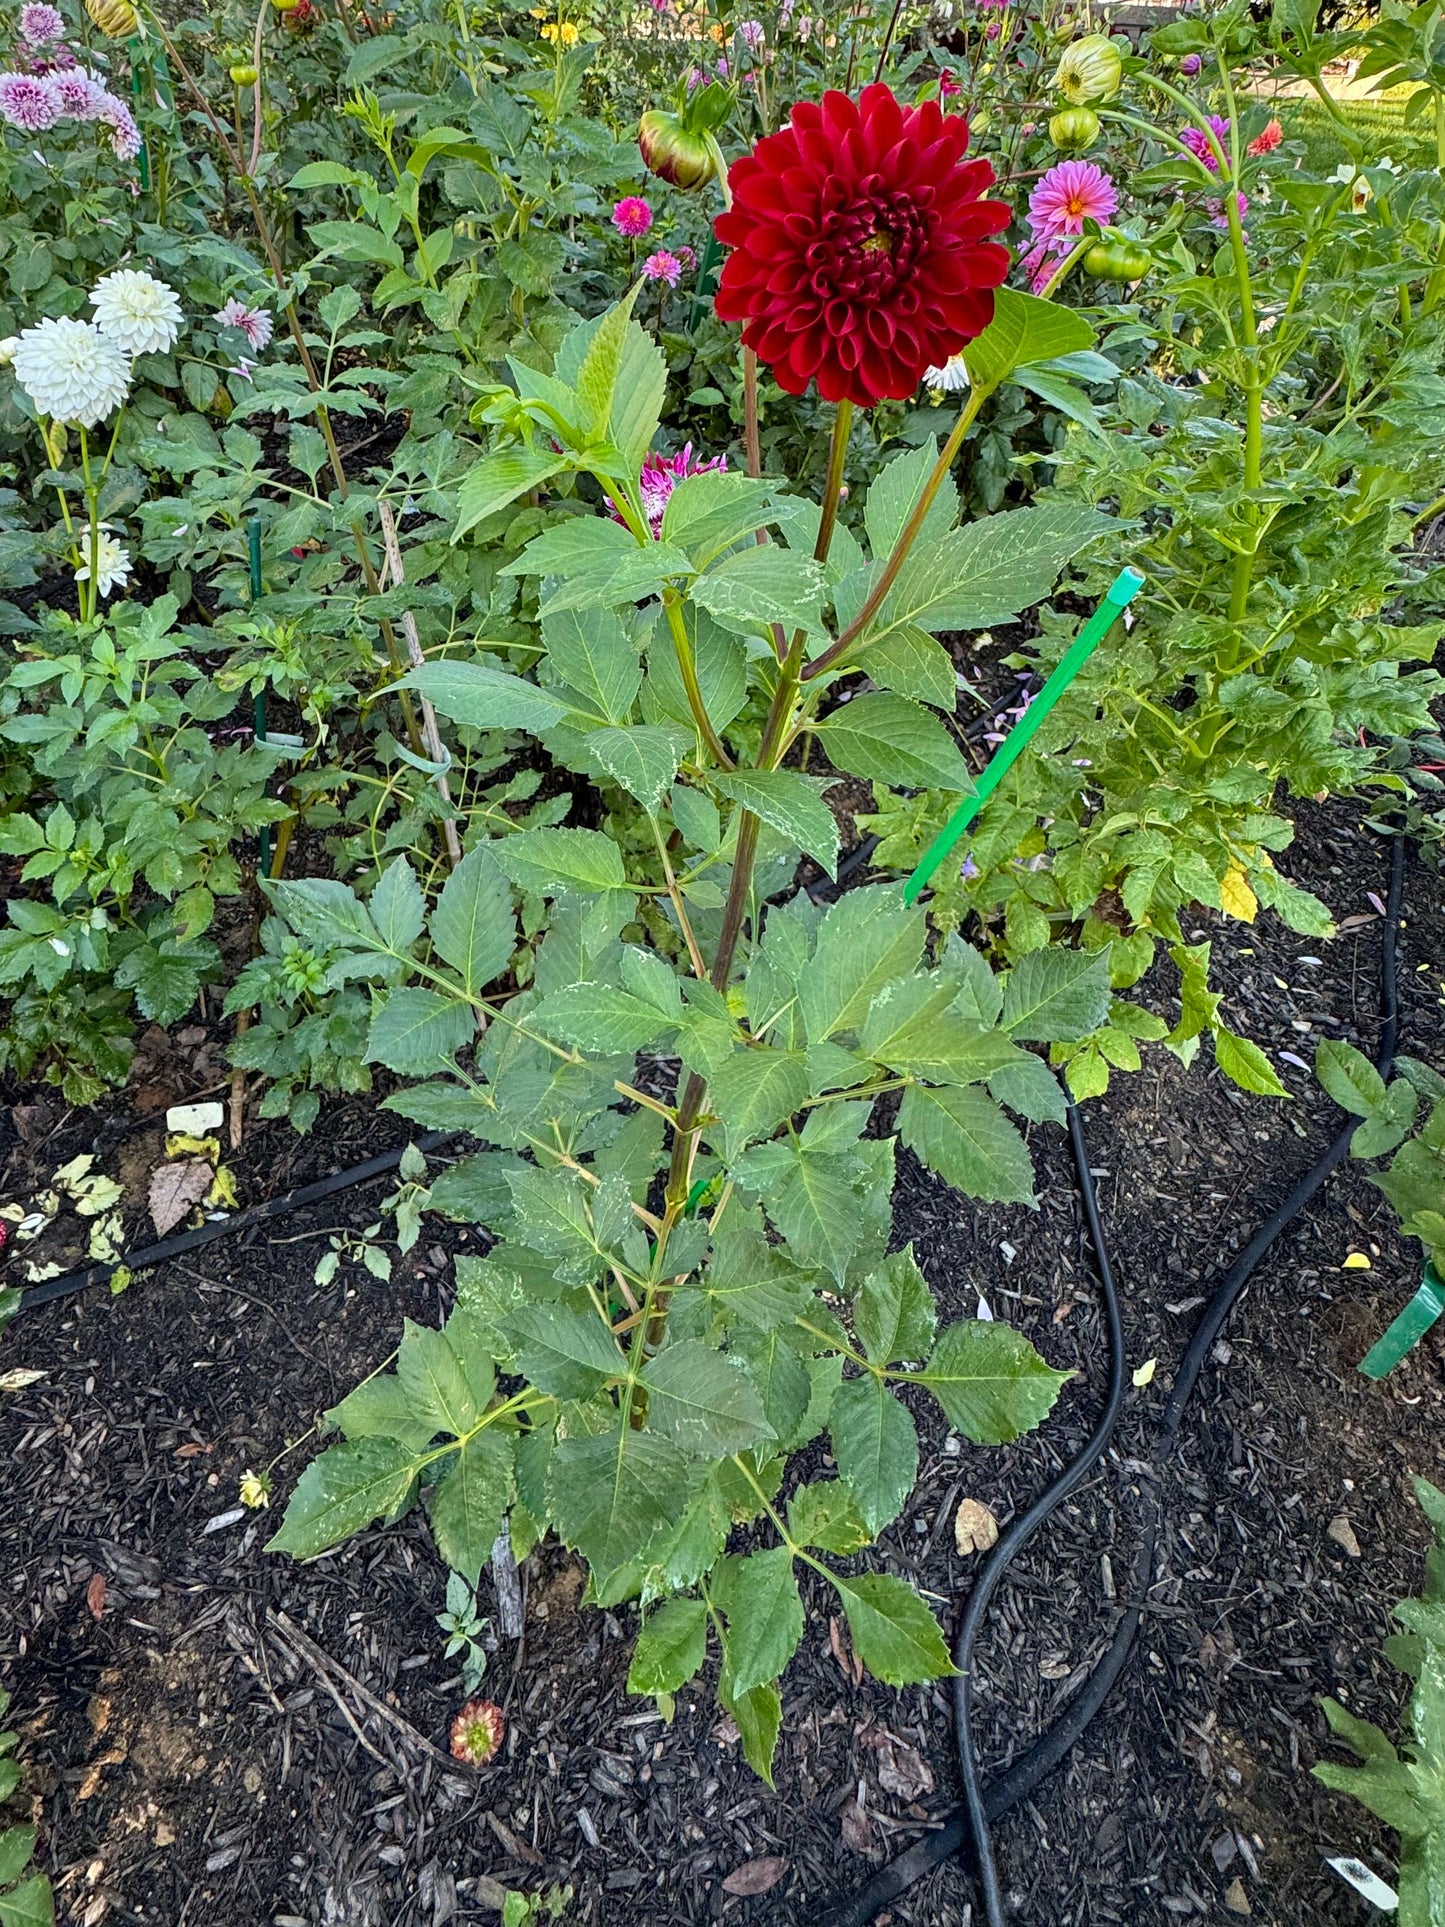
pixel 177 1247
pixel 968 1828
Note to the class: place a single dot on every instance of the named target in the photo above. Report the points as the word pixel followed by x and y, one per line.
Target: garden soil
pixel 214 1736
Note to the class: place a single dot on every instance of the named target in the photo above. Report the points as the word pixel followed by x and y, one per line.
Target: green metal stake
pixel 258 717
pixel 1122 592
pixel 1423 1310
pixel 133 51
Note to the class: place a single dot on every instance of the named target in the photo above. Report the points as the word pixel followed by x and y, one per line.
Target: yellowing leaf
pixel 1236 897
pixel 1357 1261
pixel 975 1528
pixel 1145 1373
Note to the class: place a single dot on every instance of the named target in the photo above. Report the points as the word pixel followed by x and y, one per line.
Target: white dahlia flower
pixel 138 313
pixel 70 371
pixel 113 562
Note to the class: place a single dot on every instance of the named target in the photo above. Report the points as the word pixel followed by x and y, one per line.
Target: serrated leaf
pixel 381 1408
pixel 1245 1064
pixel 1349 1077
pixel 789 804
pixel 761 585
pixel 824 1515
pixel 670 1648
pixel 867 938
pixel 989 570
pixel 325 912
pixel 470 1502
pixel 722 673
pixel 17 1847
pixel 580 545
pixel 875 1444
pixel 1056 995
pixel 500 478
pixel 764 1617
pixel 893 1632
pixel 344 1490
pixel 485 698
pixel 887 739
pixel 549 861
pixel 398 908
pixel 911 663
pixel 31 1904
pixel 443 1107
pixel 1024 329
pixel 896 488
pixel 609 1495
pixel 707 513
pixel 894 1313
pixel 600 1017
pixel 415 1031
pixel 593 654
pixel 758 1716
pixel 991 1383
pixel 472 927
pixel 963 1135
pixel 1030 1088
pixel 431 1375
pixel 643 758
pixel 702 1401
pixel 566 1353
pixel 754 1091
pixel 810 1198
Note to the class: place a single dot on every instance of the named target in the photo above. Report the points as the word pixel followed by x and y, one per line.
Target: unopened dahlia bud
pixel 674 154
pixel 477 1732
pixel 1089 70
pixel 1074 129
pixel 116 18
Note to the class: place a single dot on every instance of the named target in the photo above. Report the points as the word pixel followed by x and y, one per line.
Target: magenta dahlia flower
pixel 660 476
pixel 663 266
pixel 1197 141
pixel 1070 193
pixel 632 217
pixel 861 246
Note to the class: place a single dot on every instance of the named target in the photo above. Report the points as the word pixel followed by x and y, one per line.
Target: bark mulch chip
pixel 216 1735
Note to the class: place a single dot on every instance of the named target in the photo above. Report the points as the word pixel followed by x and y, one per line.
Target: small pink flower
pixel 254 323
pixel 478 1731
pixel 1217 215
pixel 695 79
pixel 1266 140
pixel 688 258
pixel 1042 258
pixel 948 87
pixel 663 266
pixel 1197 141
pixel 1189 66
pixel 721 70
pixel 632 216
pixel 992 30
pixel 27 102
pixel 1067 195
pixel 751 34
pixel 40 24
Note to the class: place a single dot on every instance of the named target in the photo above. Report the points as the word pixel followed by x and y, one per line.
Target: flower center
pixel 869 246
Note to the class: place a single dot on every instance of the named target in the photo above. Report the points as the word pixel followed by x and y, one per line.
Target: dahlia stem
pixel 833 487
pixel 967 415
pixel 687 669
pixel 90 588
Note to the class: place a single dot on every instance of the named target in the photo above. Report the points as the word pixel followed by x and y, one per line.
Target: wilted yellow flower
pixel 255 1489
pixel 118 18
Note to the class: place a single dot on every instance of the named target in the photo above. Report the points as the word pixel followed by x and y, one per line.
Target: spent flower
pixel 477 1732
pixel 254 323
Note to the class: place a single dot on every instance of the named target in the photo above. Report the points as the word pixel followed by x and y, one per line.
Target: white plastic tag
pixel 194 1119
pixel 1360 1877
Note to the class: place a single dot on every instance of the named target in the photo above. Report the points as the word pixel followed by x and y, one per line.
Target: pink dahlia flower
pixel 77 94
pixel 1219 218
pixel 1197 141
pixel 254 323
pixel 1266 140
pixel 1070 193
pixel 124 134
pixel 27 102
pixel 660 476
pixel 663 266
pixel 632 217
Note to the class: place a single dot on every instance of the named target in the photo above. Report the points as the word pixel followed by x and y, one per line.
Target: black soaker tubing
pixel 984 1804
pixel 289 1201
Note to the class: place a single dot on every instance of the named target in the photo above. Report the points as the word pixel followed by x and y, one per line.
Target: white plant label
pixel 1365 1882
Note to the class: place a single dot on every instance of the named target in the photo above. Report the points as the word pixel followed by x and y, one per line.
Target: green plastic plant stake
pixel 1408 1329
pixel 1122 591
pixel 258 714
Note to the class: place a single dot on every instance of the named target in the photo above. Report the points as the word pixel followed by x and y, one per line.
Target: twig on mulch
pixel 306 1648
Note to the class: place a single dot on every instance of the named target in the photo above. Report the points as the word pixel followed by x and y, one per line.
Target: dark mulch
pixel 189 1766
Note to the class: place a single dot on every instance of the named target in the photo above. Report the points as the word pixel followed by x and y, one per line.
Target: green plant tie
pixel 1408 1329
pixel 258 714
pixel 1122 591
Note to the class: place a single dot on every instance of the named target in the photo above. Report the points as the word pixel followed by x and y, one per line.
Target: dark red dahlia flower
pixel 860 246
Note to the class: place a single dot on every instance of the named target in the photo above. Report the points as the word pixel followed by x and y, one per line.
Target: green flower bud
pixel 1074 129
pixel 244 74
pixel 673 153
pixel 1117 261
pixel 1089 70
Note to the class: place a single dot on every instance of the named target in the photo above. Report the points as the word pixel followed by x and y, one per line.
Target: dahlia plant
pixel 685 1289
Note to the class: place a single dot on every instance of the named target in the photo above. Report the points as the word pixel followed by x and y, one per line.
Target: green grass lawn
pixel 1382 122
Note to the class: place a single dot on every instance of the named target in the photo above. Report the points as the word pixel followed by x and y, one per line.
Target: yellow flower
pixel 255 1489
pixel 117 18
pixel 715 32
pixel 561 33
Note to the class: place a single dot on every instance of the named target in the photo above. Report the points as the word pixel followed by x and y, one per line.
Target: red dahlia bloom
pixel 860 246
